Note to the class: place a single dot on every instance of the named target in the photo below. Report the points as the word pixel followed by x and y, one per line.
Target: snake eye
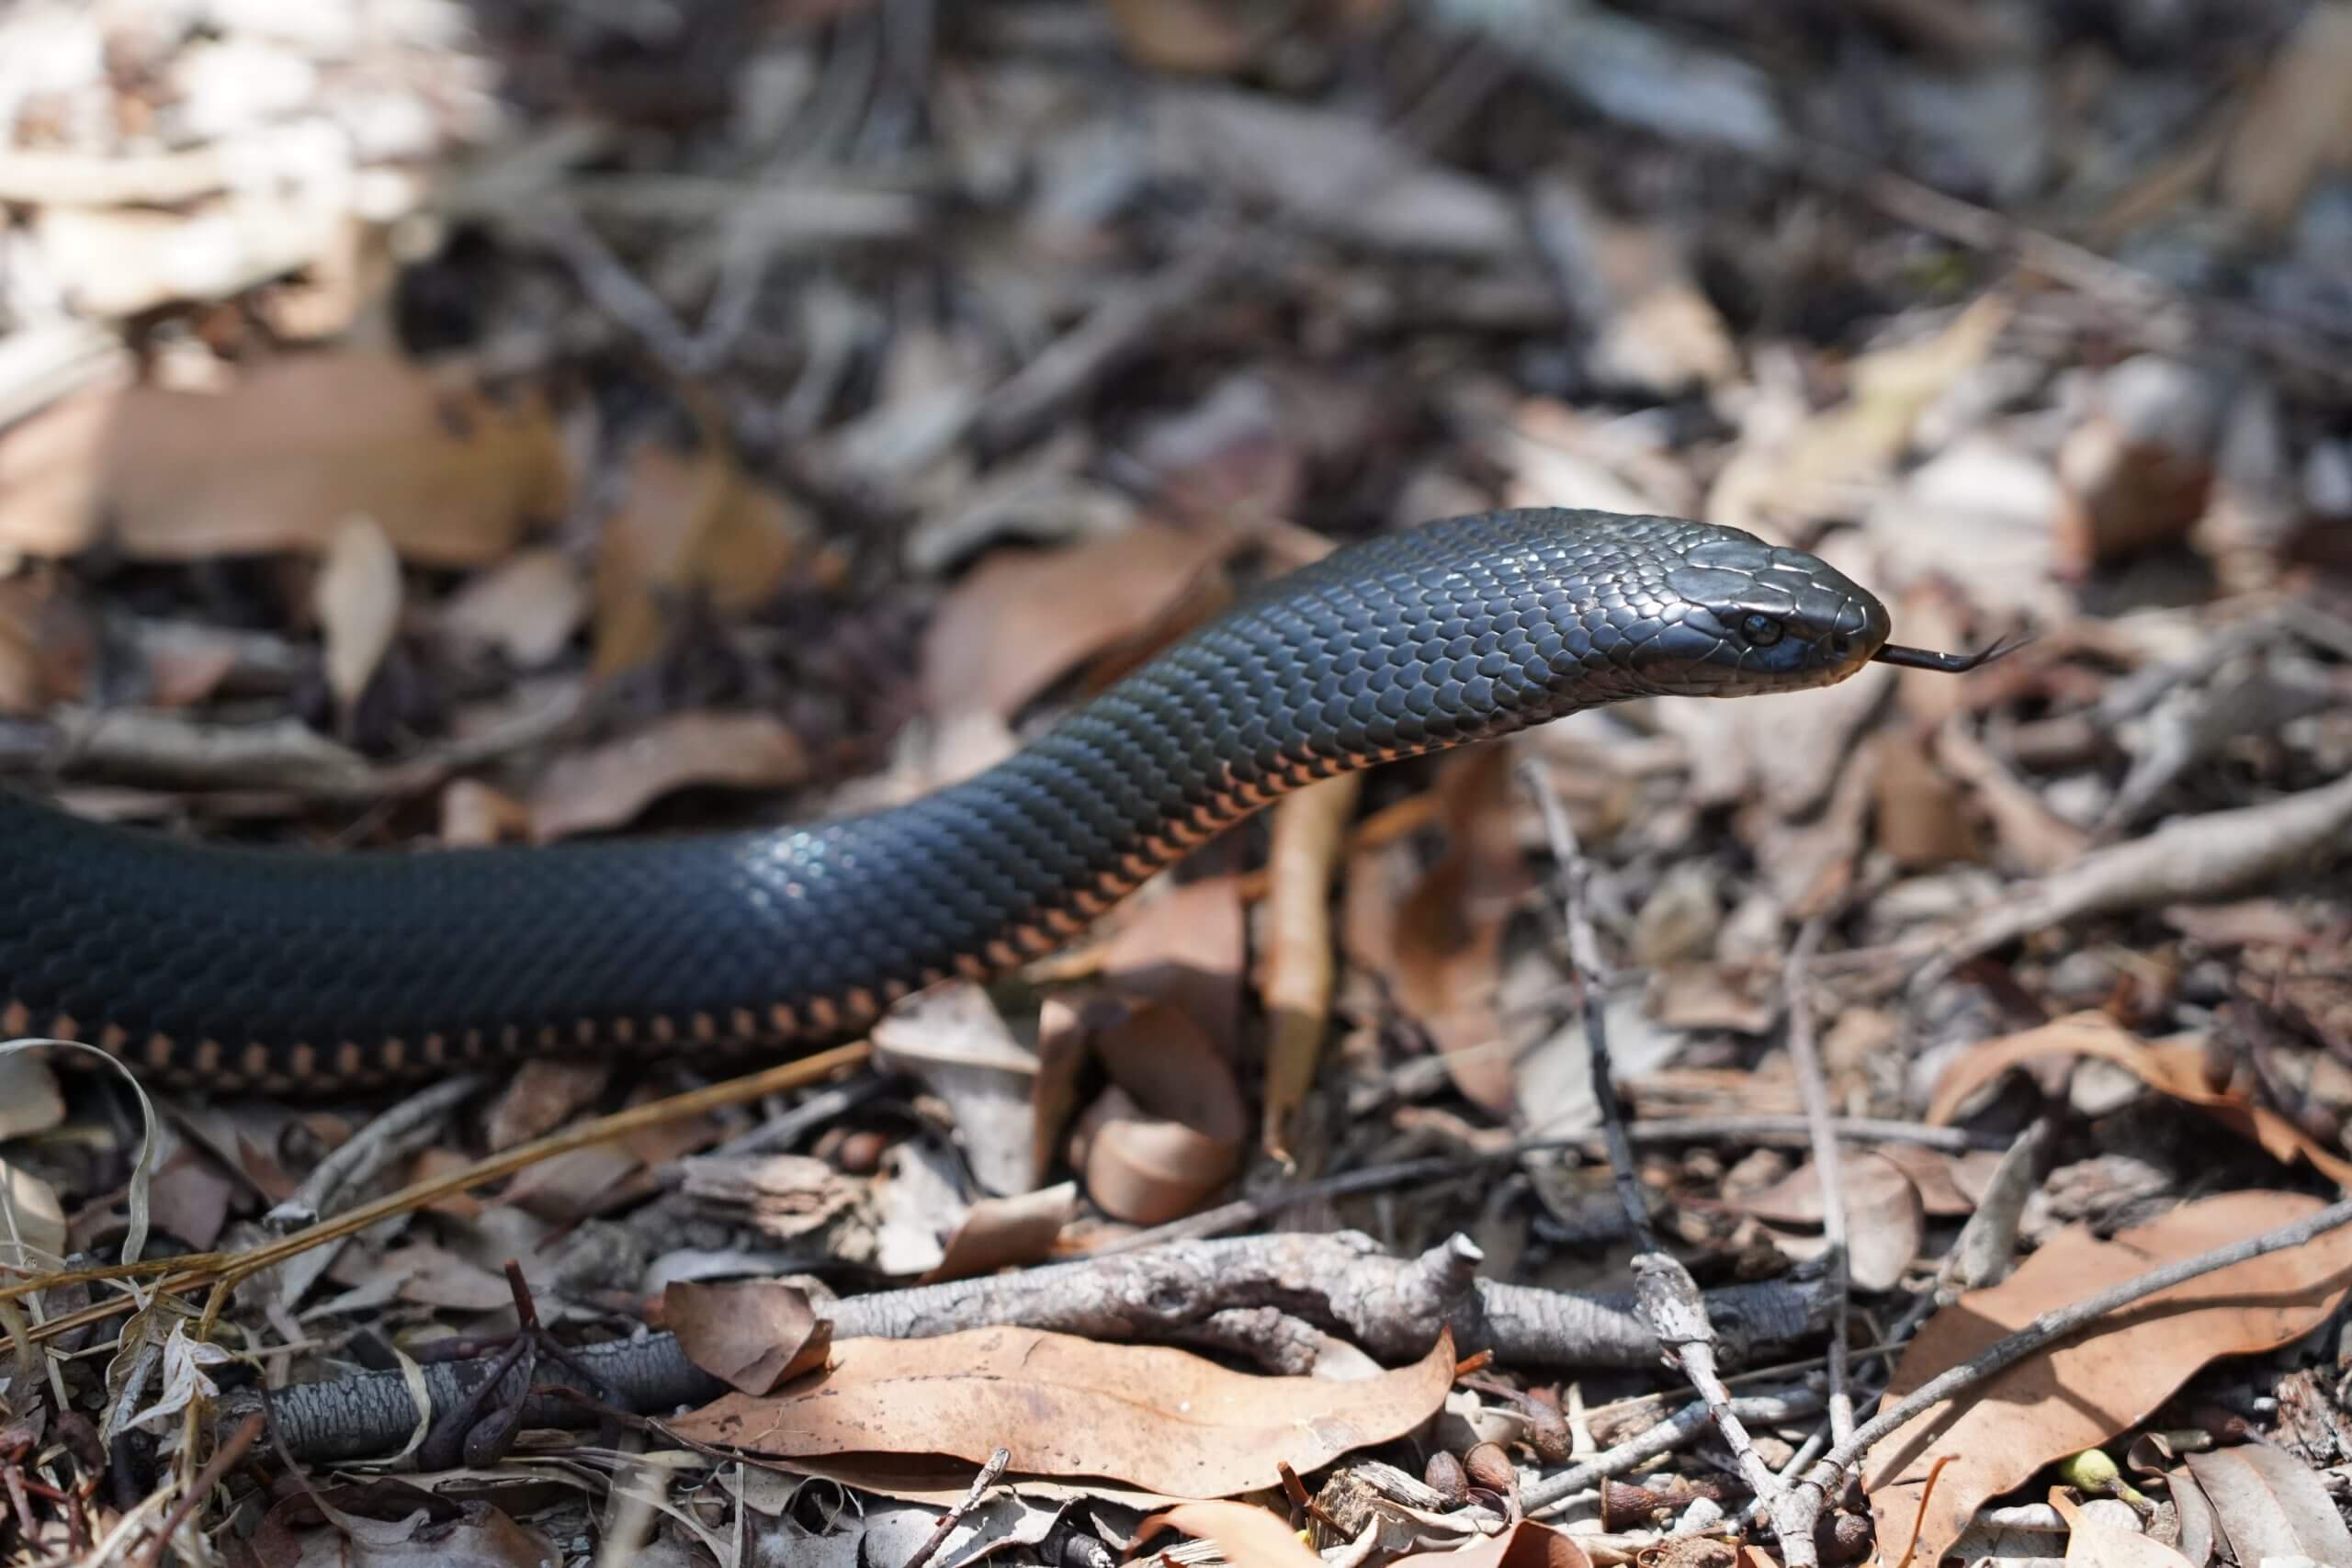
pixel 1761 631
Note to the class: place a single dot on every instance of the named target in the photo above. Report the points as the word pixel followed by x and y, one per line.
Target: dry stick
pixel 1556 1491
pixel 222 1270
pixel 369 1150
pixel 1276 1299
pixel 1668 1297
pixel 990 1474
pixel 1805 1055
pixel 1584 958
pixel 1799 1506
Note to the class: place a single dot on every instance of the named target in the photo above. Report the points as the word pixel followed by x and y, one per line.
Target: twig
pixel 1584 957
pixel 221 1270
pixel 1556 1491
pixel 1800 1506
pixel 1805 1055
pixel 990 1474
pixel 1669 1298
pixel 374 1144
pixel 224 1458
pixel 1272 1297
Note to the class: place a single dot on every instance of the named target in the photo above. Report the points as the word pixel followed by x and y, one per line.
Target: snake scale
pixel 233 967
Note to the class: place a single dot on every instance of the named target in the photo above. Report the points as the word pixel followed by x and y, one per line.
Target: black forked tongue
pixel 1950 663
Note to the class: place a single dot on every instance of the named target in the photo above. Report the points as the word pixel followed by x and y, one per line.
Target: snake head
pixel 1735 616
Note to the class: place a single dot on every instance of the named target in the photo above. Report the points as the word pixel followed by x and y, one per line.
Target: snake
pixel 238 966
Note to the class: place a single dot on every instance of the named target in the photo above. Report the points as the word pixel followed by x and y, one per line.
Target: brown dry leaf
pixel 473 814
pixel 2091 1544
pixel 1245 1535
pixel 1526 1544
pixel 30 1099
pixel 2037 837
pixel 752 1335
pixel 1186 948
pixel 2300 121
pixel 31 1217
pixel 542 1095
pixel 1444 947
pixel 2087 1390
pixel 1022 619
pixel 2270 1504
pixel 606 788
pixel 951 1038
pixel 1006 1232
pixel 1210 37
pixel 1945 1182
pixel 1920 822
pixel 1885 1219
pixel 453 475
pixel 189 1198
pixel 527 606
pixel 1308 836
pixel 1152 1416
pixel 1859 438
pixel 1169 1130
pixel 357 599
pixel 693 523
pixel 2174 1069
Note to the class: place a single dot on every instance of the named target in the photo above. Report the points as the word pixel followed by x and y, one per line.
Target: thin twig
pixel 1667 1296
pixel 990 1474
pixel 1813 1087
pixel 1584 957
pixel 1800 1504
pixel 1556 1491
pixel 381 1141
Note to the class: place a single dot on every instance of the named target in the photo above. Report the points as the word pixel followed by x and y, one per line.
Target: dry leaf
pixel 1186 948
pixel 1210 37
pixel 2300 121
pixel 357 599
pixel 752 1334
pixel 528 606
pixel 32 1223
pixel 1920 822
pixel 1443 947
pixel 1885 1221
pixel 1169 1132
pixel 1857 440
pixel 1022 619
pixel 1246 1537
pixel 2175 1070
pixel 1308 838
pixel 2091 1544
pixel 2270 1504
pixel 1526 1544
pixel 693 523
pixel 951 1038
pixel 590 792
pixel 1146 1414
pixel 30 1099
pixel 473 814
pixel 451 475
pixel 2087 1390
pixel 1006 1232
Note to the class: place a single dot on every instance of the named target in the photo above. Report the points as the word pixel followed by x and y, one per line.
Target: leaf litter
pixel 782 415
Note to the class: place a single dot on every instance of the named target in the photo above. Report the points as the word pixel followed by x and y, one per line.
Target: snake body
pixel 237 967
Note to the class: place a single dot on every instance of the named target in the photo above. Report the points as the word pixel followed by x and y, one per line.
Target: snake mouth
pixel 1948 663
